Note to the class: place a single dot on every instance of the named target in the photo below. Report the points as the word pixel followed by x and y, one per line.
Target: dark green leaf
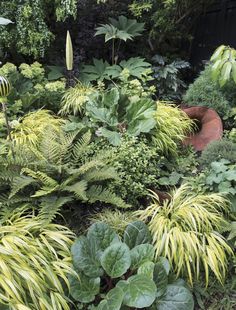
pixel 113 300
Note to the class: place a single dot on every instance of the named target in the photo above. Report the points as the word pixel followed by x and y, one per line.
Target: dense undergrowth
pixel 100 153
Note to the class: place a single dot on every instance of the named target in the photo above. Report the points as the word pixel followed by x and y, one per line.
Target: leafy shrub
pixel 55 172
pixel 34 263
pixel 172 126
pixel 167 74
pixel 217 150
pixel 33 87
pixel 138 164
pixel 205 92
pixel 185 230
pixel 125 271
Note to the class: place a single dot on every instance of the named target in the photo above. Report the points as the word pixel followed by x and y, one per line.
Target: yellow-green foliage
pixel 75 98
pixel 185 230
pixel 33 126
pixel 172 127
pixel 34 263
pixel 116 219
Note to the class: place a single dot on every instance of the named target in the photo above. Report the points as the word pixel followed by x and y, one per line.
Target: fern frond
pixel 103 174
pixel 78 189
pixel 20 183
pixel 42 177
pixel 49 207
pixel 80 146
pixel 98 193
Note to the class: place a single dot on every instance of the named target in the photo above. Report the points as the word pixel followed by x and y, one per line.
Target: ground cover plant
pixel 91 136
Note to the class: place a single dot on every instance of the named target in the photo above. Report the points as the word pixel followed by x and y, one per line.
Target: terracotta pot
pixel 210 127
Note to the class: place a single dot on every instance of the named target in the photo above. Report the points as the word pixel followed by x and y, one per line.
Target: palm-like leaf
pixel 130 26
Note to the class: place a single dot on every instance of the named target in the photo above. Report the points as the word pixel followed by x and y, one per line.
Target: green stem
pixel 4 109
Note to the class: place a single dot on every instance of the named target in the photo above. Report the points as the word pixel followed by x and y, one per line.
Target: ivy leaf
pixel 113 300
pixel 84 289
pixel 85 257
pixel 176 298
pixel 139 290
pixel 102 234
pixel 116 260
pixel 137 233
pixel 140 254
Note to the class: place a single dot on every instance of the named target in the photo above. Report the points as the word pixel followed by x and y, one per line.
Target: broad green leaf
pixel 234 71
pixel 218 52
pixel 102 234
pixel 137 233
pixel 112 136
pixel 140 291
pixel 85 257
pixel 136 66
pixel 84 289
pixel 225 73
pixel 113 300
pixel 116 260
pixel 147 269
pixel 176 298
pixel 140 254
pixel 130 26
pixel 160 278
pixel 165 263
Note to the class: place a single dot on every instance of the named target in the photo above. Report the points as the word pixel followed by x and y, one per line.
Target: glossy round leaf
pixel 84 289
pixel 86 257
pixel 176 298
pixel 116 259
pixel 140 254
pixel 136 233
pixel 113 300
pixel 140 291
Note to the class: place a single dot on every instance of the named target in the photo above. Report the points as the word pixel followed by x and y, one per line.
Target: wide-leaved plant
pixel 122 274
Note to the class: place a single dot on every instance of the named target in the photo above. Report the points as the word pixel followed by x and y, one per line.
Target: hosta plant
pixel 115 273
pixel 186 230
pixel 35 262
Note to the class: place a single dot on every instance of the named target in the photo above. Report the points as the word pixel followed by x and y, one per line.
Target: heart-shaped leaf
pixel 116 259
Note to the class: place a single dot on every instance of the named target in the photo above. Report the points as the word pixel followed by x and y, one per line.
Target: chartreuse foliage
pixel 55 172
pixel 185 230
pixel 35 262
pixel 115 273
pixel 172 126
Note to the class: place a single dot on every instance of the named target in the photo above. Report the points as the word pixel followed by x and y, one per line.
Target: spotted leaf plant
pixel 121 273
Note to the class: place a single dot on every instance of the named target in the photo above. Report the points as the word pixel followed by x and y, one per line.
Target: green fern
pixel 55 173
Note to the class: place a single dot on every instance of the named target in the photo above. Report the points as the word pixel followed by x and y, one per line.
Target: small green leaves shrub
pixel 205 92
pixel 115 273
pixel 33 86
pixel 217 150
pixel 138 164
